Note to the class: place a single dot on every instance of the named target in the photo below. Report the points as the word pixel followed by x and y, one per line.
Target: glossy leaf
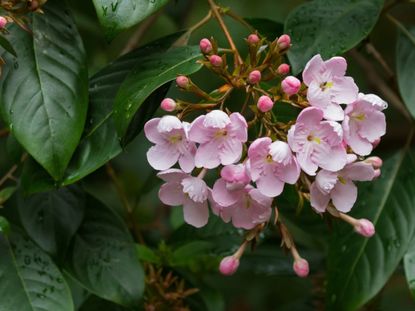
pixel 52 218
pixel 266 27
pixel 154 71
pixel 43 93
pixel 5 44
pixel 118 15
pixel 329 27
pixel 103 257
pixel 29 280
pixel 405 66
pixel 6 193
pixel 359 267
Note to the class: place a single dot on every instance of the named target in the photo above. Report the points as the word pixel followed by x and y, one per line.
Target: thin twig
pixel 240 20
pixel 10 172
pixel 199 24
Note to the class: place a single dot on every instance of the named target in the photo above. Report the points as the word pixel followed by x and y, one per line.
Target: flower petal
pixel 187 159
pixel 290 173
pixel 336 66
pixel 269 184
pixel 222 195
pixel 171 193
pixel 207 155
pixel 330 158
pixel 151 132
pixel 305 161
pixel 230 151
pixel 198 133
pixel 172 175
pixel 163 156
pixel 238 127
pixel 318 199
pixel 344 196
pixel 195 214
pixel 360 171
pixel 325 181
pixel 312 71
pixel 373 127
pixel 344 90
pixel 358 144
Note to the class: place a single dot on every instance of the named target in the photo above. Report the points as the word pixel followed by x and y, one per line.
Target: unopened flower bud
pixel 284 42
pixel 377 173
pixel 301 267
pixel 168 104
pixel 365 228
pixel 265 103
pixel 375 161
pixel 229 265
pixel 216 60
pixel 254 77
pixel 283 69
pixel 205 46
pixel 291 85
pixel 253 39
pixel 182 82
pixel 3 22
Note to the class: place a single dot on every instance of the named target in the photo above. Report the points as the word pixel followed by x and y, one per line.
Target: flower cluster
pixel 322 152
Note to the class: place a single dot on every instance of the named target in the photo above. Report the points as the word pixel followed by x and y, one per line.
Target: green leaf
pixel 52 218
pixel 6 193
pixel 44 92
pixel 409 265
pixel 405 66
pixel 5 44
pixel 4 226
pixel 266 27
pixel 329 28
pixel 29 280
pixel 104 258
pixel 359 267
pixel 100 142
pixel 119 15
pixel 284 112
pixel 35 179
pixel 146 254
pixel 153 71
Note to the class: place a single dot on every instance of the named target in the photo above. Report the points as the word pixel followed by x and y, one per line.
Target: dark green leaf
pixel 359 267
pixel 6 193
pixel 44 92
pixel 146 254
pixel 79 294
pixel 153 71
pixel 266 27
pixel 409 265
pixel 5 44
pixel 284 112
pixel 34 178
pixel 29 280
pixel 118 15
pixel 329 27
pixel 4 226
pixel 52 218
pixel 104 258
pixel 405 66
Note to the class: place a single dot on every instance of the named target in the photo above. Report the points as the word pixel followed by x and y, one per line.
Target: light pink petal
pixel 344 196
pixel 222 195
pixel 318 97
pixel 230 151
pixel 172 175
pixel 198 133
pixel 373 127
pixel 325 181
pixel 163 156
pixel 207 155
pixel 171 194
pixel 330 158
pixel 216 119
pixel 312 70
pixel 269 184
pixel 290 173
pixel 318 199
pixel 187 159
pixel 280 152
pixel 360 171
pixel 333 112
pixel 331 132
pixel 259 198
pixel 358 144
pixel 336 66
pixel 238 127
pixel 196 214
pixel 305 161
pixel 310 116
pixel 168 124
pixel 151 132
pixel 257 153
pixel 242 216
pixel 344 90
pixel 375 100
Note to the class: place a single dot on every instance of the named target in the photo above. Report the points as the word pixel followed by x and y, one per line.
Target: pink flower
pixel 220 137
pixel 290 85
pixel 271 165
pixel 364 123
pixel 250 208
pixel 171 138
pixel 328 87
pixel 191 192
pixel 265 103
pixel 339 186
pixel 317 143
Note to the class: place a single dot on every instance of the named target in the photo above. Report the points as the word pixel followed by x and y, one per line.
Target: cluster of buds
pixel 323 152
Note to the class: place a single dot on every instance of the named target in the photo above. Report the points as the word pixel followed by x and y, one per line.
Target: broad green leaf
pixel 118 15
pixel 29 280
pixel 153 71
pixel 52 218
pixel 103 257
pixel 405 66
pixel 5 44
pixel 266 27
pixel 44 91
pixel 409 265
pixel 329 28
pixel 359 267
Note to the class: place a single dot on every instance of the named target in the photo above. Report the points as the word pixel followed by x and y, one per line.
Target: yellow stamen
pixel 175 138
pixel 342 180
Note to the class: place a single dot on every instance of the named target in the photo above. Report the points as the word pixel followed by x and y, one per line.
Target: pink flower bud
pixel 229 265
pixel 375 161
pixel 265 103
pixel 182 81
pixel 301 267
pixel 253 39
pixel 205 46
pixel 291 85
pixel 3 22
pixel 254 77
pixel 283 69
pixel 168 104
pixel 377 173
pixel 284 42
pixel 365 228
pixel 216 60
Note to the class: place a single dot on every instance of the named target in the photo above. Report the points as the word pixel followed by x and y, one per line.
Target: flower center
pixel 268 159
pixel 342 180
pixel 313 138
pixel 326 85
pixel 221 133
pixel 175 138
pixel 359 116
